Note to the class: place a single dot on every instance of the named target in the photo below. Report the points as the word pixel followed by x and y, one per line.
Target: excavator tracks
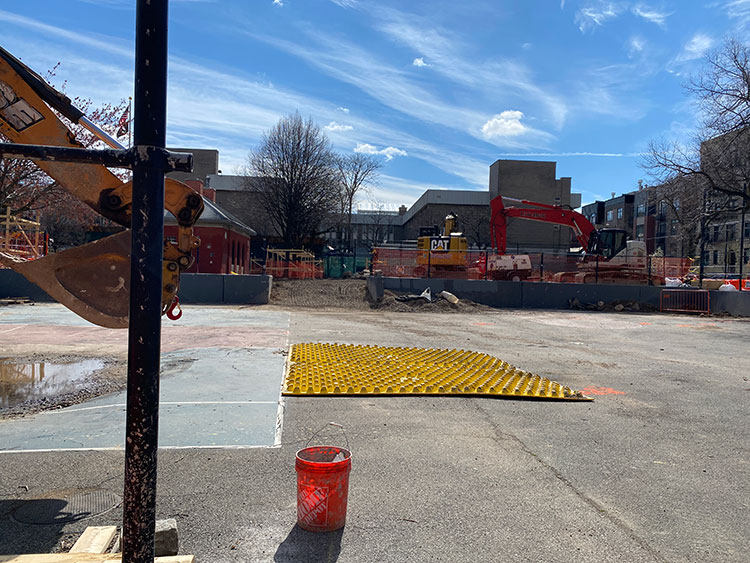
pixel 347 369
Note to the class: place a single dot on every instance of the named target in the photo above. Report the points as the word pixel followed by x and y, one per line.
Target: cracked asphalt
pixel 655 470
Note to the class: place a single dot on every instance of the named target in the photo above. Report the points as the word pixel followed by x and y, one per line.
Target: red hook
pixel 175 305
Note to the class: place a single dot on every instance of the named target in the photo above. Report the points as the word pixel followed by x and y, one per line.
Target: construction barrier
pixel 549 267
pixel 21 238
pixel 685 301
pixel 292 264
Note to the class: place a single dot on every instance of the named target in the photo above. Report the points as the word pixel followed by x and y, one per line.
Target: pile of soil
pixel 351 294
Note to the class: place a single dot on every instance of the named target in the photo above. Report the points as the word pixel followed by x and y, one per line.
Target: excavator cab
pixel 607 243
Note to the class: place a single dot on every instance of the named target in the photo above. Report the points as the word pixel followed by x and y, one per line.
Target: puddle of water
pixel 22 382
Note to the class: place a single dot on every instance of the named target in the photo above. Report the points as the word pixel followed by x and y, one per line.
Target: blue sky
pixel 436 89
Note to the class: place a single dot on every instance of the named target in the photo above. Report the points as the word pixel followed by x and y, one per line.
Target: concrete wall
pixel 214 289
pixel 533 295
pixel 13 284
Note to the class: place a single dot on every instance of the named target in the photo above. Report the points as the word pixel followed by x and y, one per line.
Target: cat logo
pixel 440 244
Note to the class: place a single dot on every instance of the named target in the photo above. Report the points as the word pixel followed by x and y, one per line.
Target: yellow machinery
pixel 443 251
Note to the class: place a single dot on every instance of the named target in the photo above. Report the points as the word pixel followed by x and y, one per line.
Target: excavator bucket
pixel 92 280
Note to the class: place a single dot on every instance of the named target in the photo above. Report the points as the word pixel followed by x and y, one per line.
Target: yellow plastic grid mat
pixel 347 369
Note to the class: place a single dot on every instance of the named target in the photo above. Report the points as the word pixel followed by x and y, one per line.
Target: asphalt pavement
pixel 655 469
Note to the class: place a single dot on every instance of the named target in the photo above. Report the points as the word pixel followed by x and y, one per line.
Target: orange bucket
pixel 322 487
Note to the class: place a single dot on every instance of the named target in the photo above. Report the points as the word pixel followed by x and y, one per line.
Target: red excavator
pixel 608 257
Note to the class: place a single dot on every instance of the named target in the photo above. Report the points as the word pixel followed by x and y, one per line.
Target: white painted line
pixel 282 399
pixel 121 405
pixel 122 449
pixel 11 329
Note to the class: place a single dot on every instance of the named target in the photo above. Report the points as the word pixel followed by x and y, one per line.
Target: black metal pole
pixel 742 240
pixel 703 243
pixel 139 506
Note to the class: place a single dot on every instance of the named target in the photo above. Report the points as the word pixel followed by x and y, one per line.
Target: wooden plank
pixel 94 539
pixel 85 558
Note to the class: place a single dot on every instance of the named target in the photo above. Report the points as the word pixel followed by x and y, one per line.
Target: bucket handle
pixel 335 424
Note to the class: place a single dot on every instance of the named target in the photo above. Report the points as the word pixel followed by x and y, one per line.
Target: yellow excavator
pixel 442 251
pixel 92 280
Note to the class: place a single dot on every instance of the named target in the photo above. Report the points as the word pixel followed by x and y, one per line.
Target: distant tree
pixel 296 178
pixel 355 172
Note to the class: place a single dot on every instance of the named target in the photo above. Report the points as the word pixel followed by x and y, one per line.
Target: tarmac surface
pixel 656 469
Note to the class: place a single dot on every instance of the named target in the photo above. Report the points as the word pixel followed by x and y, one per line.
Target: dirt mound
pixel 352 295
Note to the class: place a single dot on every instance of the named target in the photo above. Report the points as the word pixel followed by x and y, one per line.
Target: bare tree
pixel 356 171
pixel 717 157
pixel 295 177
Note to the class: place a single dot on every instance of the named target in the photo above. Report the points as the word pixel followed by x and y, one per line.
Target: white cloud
pixel 505 124
pixel 278 2
pixel 333 126
pixel 596 14
pixel 388 152
pixel 636 44
pixel 345 3
pixel 696 47
pixel 651 15
pixel 419 61
pixel 342 109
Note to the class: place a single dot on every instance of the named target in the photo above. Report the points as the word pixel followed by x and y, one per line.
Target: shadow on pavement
pixel 301 545
pixel 20 534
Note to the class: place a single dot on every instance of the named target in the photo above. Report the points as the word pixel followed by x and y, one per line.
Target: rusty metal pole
pixel 139 506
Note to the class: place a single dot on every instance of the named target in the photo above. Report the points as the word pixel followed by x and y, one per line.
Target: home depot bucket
pixel 322 487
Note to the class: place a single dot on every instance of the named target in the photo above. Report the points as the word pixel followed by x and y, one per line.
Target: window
pixel 716 257
pixel 639 231
pixel 609 215
pixel 673 227
pixel 730 232
pixel 747 230
pixel 705 257
pixel 716 235
pixel 661 229
pixel 619 212
pixel 662 208
pixel 592 218
pixel 746 257
pixel 641 209
pixel 732 258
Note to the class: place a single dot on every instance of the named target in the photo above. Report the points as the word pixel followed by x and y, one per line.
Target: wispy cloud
pixel 738 10
pixel 333 126
pixel 487 80
pixel 505 124
pixel 388 152
pixel 568 154
pixel 695 48
pixel 636 45
pixel 345 3
pixel 349 63
pixel 596 14
pixel 651 14
pixel 419 61
pixel 342 109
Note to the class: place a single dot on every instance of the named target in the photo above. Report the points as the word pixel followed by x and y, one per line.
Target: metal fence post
pixel 139 502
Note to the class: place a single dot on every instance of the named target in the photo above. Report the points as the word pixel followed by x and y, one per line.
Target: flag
pixel 124 123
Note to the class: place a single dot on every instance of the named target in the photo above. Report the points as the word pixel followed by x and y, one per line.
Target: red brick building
pixel 225 241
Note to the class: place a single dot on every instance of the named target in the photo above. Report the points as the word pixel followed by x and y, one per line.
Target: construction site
pixel 439 402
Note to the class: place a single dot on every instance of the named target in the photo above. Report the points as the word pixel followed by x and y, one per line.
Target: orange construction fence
pixel 292 264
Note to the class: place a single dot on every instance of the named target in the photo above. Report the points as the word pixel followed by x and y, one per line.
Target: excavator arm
pixel 542 212
pixel 93 279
